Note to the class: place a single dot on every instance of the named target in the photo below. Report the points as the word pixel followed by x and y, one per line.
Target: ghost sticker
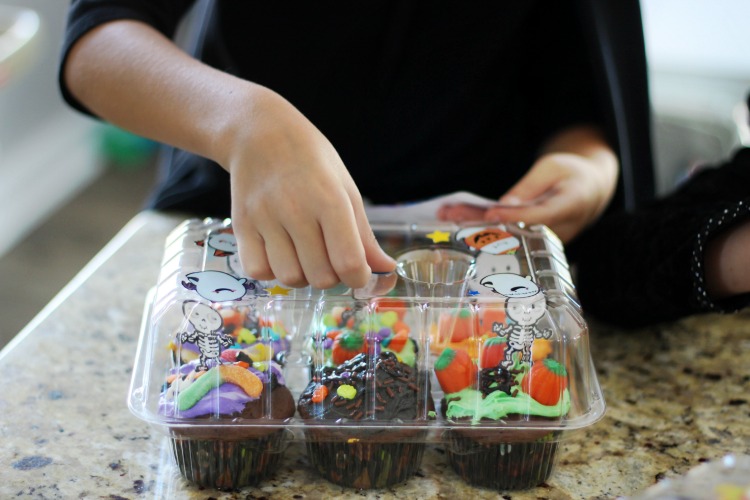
pixel 218 286
pixel 223 242
pixel 487 264
pixel 493 240
pixel 510 285
pixel 207 323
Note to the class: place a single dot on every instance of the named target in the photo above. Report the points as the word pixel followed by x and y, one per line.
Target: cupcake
pixel 214 403
pixel 504 400
pixel 373 390
pixel 485 454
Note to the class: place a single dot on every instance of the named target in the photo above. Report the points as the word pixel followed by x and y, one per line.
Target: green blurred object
pixel 123 150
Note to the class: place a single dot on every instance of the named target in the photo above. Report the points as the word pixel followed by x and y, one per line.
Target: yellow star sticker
pixel 278 290
pixel 439 236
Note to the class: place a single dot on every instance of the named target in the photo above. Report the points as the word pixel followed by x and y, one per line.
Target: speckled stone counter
pixel 677 395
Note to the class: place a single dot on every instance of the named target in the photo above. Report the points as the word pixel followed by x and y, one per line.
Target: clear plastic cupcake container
pixel 475 344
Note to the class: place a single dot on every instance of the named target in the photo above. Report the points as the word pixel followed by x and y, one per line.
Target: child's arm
pixel 297 214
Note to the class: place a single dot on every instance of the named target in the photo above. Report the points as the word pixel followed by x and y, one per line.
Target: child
pixel 315 103
pixel 395 100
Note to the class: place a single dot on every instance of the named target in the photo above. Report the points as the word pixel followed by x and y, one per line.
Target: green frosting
pixel 470 403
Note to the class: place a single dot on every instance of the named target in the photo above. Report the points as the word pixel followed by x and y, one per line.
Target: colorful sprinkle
pixel 246 336
pixel 319 394
pixel 347 391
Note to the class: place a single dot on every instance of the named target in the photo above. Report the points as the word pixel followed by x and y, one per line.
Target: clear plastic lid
pixel 478 328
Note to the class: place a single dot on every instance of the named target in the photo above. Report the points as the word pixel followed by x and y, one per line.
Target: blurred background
pixel 69 183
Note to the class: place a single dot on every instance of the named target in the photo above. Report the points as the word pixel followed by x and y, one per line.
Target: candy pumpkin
pixel 545 382
pixel 454 370
pixel 347 344
pixel 493 352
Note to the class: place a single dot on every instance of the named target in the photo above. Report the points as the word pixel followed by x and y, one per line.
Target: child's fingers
pixel 376 258
pixel 538 181
pixel 252 250
pixel 547 211
pixel 312 255
pixel 282 256
pixel 345 250
pixel 460 212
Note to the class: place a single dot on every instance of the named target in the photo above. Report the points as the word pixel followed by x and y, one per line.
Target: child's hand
pixel 297 214
pixel 566 189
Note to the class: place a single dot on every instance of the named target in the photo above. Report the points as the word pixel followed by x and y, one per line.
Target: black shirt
pixel 419 98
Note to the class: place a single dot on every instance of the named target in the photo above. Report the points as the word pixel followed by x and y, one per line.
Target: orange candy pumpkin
pixel 545 382
pixel 493 352
pixel 347 345
pixel 454 370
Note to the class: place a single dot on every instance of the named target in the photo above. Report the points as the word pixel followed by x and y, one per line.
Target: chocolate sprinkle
pixel 497 379
pixel 377 379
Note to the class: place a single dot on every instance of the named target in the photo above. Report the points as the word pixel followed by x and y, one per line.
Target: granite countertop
pixel 677 396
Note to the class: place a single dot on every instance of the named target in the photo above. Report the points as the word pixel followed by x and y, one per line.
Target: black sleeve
pixel 85 15
pixel 646 266
pixel 559 70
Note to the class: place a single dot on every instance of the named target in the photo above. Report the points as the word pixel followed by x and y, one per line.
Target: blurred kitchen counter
pixel 677 395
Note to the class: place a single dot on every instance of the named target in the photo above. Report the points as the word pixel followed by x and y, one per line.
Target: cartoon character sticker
pixel 222 242
pixel 493 240
pixel 497 248
pixel 510 285
pixel 487 264
pixel 218 286
pixel 525 306
pixel 207 325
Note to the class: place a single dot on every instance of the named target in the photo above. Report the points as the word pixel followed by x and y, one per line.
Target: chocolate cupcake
pixel 213 404
pixel 505 418
pixel 212 411
pixel 372 391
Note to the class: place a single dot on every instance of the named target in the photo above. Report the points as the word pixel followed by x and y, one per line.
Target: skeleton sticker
pixel 207 333
pixel 525 306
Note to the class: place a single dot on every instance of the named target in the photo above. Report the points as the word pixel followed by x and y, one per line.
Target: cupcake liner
pixel 364 465
pixel 501 466
pixel 228 464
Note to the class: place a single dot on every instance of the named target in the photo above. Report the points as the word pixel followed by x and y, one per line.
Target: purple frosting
pixel 227 399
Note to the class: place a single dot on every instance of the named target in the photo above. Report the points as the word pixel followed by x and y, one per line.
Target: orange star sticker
pixel 439 236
